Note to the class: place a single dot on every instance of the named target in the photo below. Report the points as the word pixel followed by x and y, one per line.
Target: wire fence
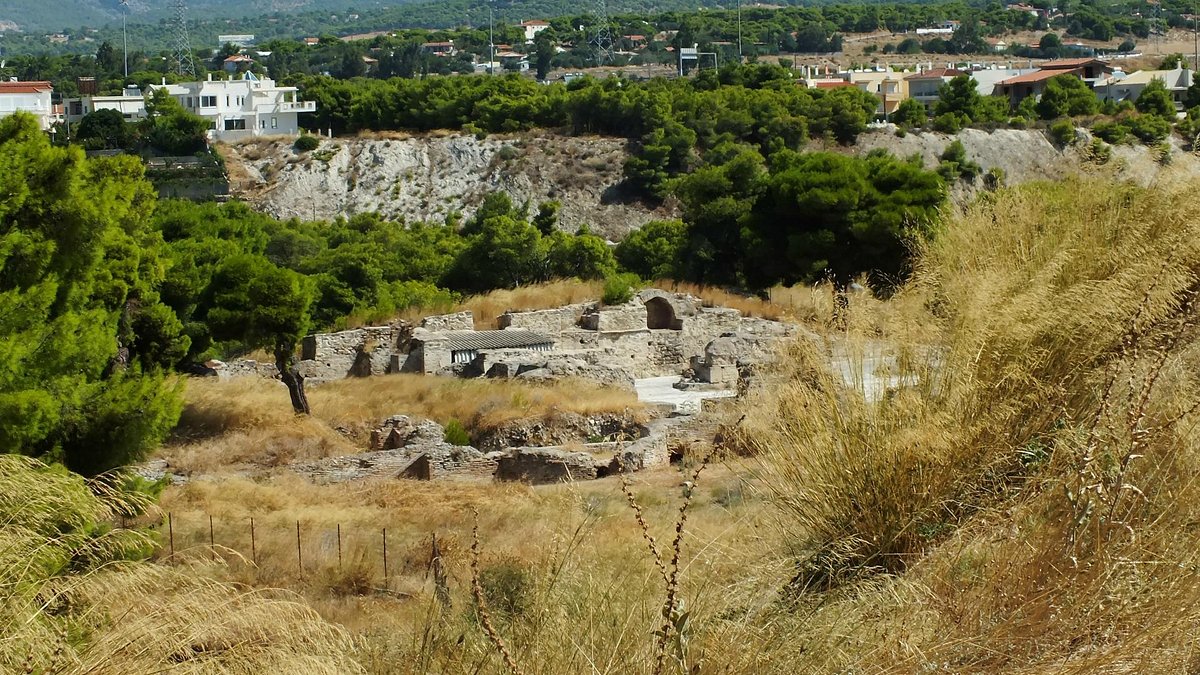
pixel 305 550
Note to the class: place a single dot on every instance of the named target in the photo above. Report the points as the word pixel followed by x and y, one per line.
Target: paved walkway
pixel 659 390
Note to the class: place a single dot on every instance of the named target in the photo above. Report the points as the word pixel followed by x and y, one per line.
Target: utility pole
pixel 182 43
pixel 125 34
pixel 491 40
pixel 739 32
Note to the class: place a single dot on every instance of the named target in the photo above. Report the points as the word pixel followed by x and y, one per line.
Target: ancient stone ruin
pixel 655 334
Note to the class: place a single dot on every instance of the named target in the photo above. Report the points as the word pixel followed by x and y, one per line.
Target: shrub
pixel 619 288
pixel 507 586
pixel 955 164
pixel 1111 132
pixel 1098 152
pixel 455 433
pixel 1018 122
pixel 306 143
pixel 507 153
pixel 994 178
pixel 1149 129
pixel 1062 133
pixel 948 123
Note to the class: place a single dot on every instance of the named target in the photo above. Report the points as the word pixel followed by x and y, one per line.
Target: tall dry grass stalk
pixel 71 600
pixel 1020 498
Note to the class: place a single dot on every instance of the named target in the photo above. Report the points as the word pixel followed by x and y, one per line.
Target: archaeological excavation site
pixel 671 358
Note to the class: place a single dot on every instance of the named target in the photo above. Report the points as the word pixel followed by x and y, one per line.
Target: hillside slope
pixel 430 177
pixel 33 15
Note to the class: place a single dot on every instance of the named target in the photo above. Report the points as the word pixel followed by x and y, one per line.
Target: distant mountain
pixel 55 15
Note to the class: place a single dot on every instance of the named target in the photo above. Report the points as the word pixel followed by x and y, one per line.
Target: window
pixel 189 102
pixel 262 124
pixel 208 101
pixel 274 122
pixel 227 101
pixel 235 125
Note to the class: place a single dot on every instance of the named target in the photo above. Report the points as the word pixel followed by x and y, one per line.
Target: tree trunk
pixel 294 382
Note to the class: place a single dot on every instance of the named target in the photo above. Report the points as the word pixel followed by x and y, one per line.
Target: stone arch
pixel 660 314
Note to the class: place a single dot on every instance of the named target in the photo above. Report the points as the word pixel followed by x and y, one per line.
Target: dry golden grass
pixel 563 568
pixel 1031 490
pixel 249 421
pixel 1025 501
pixel 713 296
pixel 488 307
pixel 69 605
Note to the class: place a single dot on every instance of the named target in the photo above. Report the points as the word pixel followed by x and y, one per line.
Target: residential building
pixel 1017 89
pixel 889 87
pixel 131 104
pixel 987 79
pixel 532 28
pixel 238 63
pixel 239 41
pixel 440 48
pixel 924 86
pixel 31 97
pixel 513 61
pixel 244 107
pixel 1120 87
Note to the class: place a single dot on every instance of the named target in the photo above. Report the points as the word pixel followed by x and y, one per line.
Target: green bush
pixel 948 123
pixel 506 586
pixel 1062 133
pixel 1018 122
pixel 1149 129
pixel 619 288
pixel 1111 132
pixel 456 434
pixel 1098 152
pixel 306 143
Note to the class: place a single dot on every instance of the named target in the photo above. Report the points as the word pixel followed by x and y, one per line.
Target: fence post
pixel 253 548
pixel 171 532
pixel 212 540
pixel 299 555
pixel 339 535
pixel 385 566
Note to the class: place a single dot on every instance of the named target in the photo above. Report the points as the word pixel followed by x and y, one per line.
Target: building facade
pixel 31 97
pixel 242 108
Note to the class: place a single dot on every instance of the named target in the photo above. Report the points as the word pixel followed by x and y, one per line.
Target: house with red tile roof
pixel 1021 87
pixel 32 97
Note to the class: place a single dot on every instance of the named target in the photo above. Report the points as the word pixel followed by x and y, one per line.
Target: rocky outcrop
pixel 563 428
pixel 547 465
pixel 430 177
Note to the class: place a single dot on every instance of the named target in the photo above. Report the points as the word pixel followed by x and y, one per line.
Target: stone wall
pixel 459 321
pixel 356 352
pixel 548 321
pixel 626 317
pixel 547 465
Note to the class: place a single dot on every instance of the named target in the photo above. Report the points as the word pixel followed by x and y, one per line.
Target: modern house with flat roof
pixel 244 107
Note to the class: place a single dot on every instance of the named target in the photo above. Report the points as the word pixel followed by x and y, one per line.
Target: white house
pixel 1121 87
pixel 532 28
pixel 244 107
pixel 30 97
pixel 131 104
